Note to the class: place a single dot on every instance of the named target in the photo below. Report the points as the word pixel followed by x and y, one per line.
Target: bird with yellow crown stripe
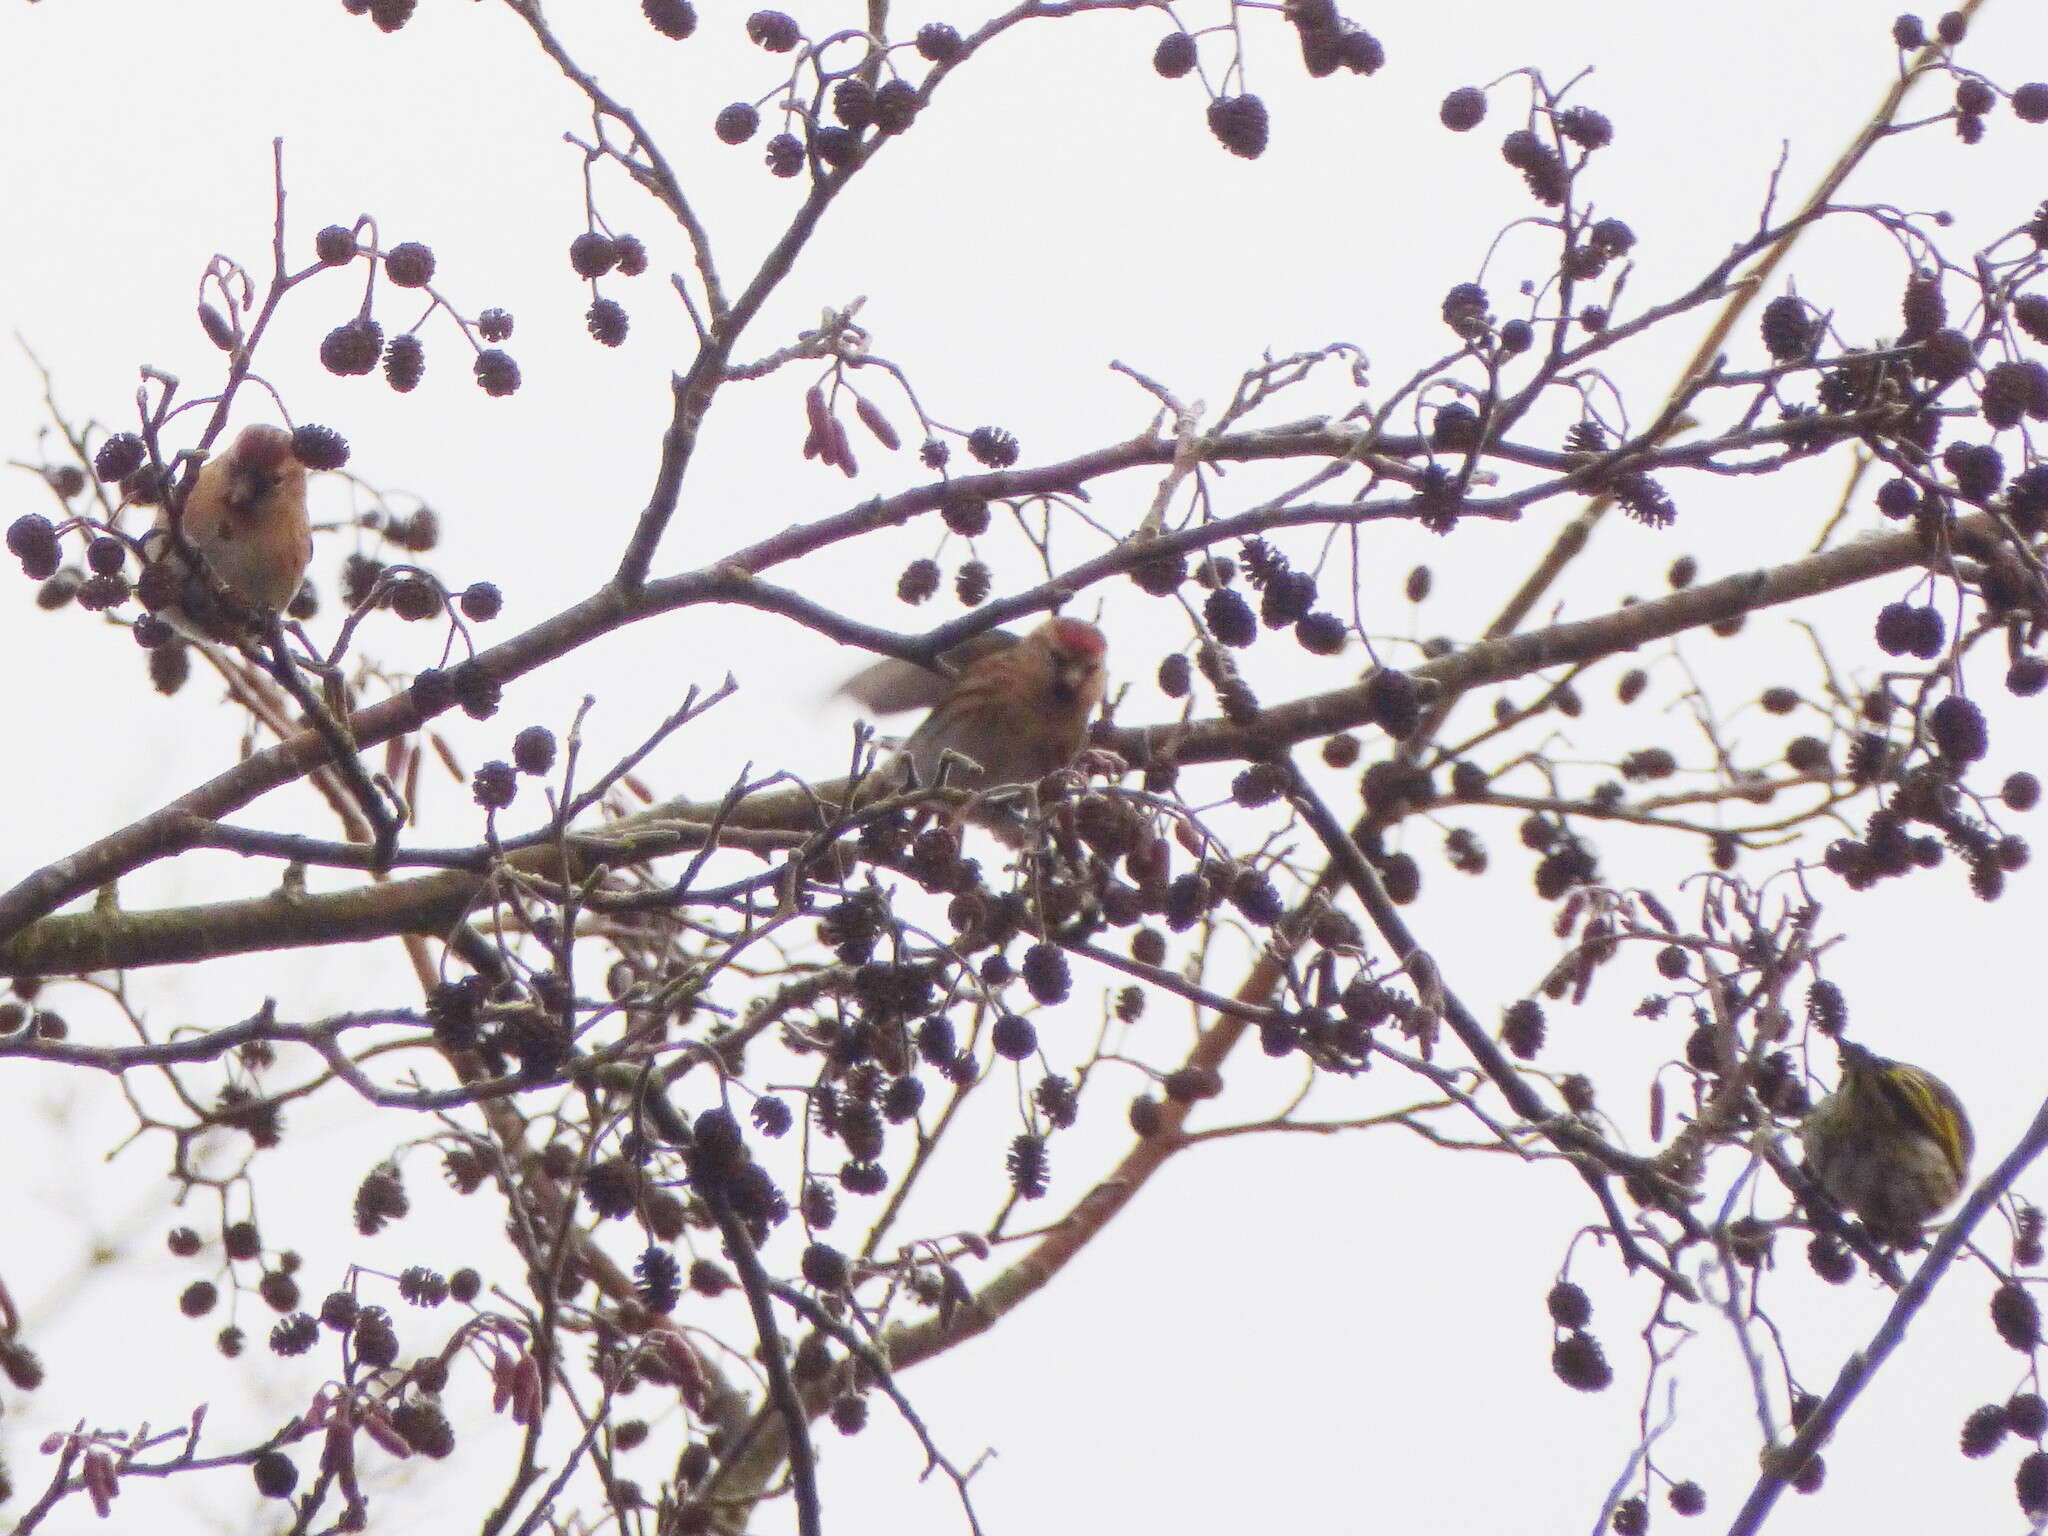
pixel 1891 1145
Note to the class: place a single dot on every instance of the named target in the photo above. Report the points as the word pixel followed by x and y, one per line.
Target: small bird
pixel 1891 1144
pixel 245 515
pixel 1015 708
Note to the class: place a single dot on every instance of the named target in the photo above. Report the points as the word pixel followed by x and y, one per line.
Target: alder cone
pixel 1240 124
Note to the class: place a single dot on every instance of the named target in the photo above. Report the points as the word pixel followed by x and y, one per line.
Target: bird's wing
pixel 891 686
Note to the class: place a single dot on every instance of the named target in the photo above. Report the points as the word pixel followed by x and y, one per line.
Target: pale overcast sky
pixel 1284 1334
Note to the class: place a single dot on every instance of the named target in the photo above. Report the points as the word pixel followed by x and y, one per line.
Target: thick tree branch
pixel 434 904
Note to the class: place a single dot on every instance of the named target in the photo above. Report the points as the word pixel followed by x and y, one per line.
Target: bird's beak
pixel 1072 673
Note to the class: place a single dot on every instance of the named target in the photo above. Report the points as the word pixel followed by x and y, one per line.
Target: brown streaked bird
pixel 1016 708
pixel 245 514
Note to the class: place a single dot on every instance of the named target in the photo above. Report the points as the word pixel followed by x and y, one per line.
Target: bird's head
pixel 257 466
pixel 1077 650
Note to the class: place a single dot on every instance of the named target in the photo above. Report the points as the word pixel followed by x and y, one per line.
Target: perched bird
pixel 1015 708
pixel 245 515
pixel 1891 1144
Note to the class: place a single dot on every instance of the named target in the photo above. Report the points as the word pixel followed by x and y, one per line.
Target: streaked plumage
pixel 1017 708
pixel 1891 1145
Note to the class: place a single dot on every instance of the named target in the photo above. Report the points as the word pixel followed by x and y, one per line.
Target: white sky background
pixel 1282 1334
